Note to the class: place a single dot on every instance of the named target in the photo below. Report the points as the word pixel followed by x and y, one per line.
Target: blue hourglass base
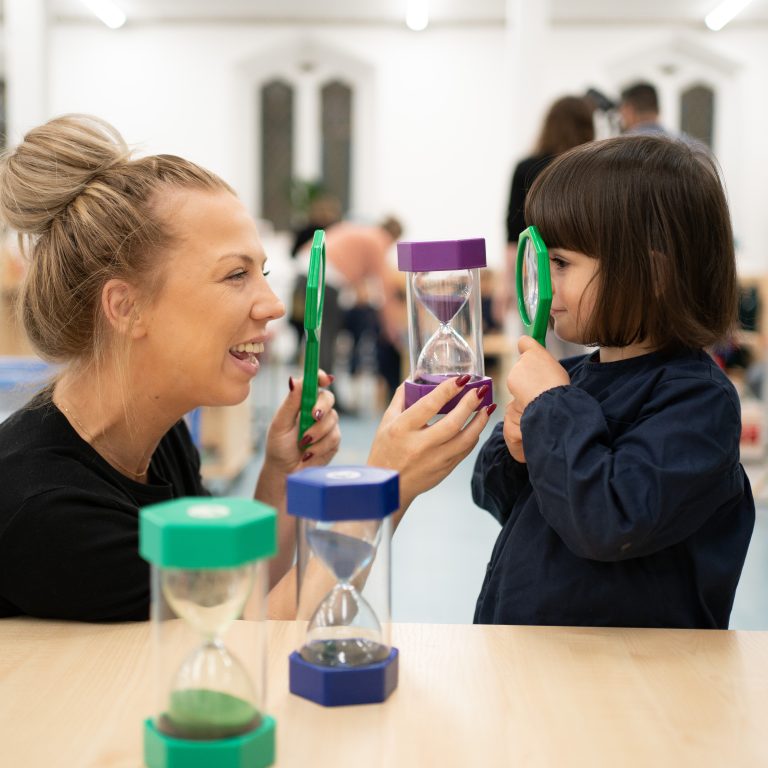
pixel 255 749
pixel 416 390
pixel 341 686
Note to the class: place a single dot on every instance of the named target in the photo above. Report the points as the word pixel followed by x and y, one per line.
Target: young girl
pixel 616 475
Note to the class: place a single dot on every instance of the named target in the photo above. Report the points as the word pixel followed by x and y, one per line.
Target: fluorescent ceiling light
pixel 107 11
pixel 724 12
pixel 417 15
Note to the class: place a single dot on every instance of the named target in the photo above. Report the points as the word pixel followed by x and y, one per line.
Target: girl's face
pixel 209 321
pixel 573 292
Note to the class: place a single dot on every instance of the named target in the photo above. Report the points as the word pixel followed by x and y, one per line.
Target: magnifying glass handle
pixel 309 387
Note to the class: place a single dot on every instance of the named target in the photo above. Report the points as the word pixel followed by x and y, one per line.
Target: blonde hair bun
pixel 52 166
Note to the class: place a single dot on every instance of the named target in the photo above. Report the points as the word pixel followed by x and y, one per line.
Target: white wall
pixel 438 132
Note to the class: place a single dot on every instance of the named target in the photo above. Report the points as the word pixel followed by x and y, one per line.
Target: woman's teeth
pixel 250 347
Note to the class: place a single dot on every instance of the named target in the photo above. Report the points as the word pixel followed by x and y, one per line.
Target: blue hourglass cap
pixel 343 493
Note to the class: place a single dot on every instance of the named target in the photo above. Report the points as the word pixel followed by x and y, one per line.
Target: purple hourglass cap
pixel 441 255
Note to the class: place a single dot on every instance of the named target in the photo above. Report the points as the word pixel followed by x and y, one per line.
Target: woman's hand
pixel 284 453
pixel 424 454
pixel 535 372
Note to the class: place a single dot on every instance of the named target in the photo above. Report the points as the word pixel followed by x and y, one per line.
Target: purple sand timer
pixel 444 329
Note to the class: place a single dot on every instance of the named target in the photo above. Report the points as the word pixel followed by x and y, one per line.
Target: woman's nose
pixel 266 305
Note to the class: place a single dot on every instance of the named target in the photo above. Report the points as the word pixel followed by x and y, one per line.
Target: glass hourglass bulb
pixel 344 630
pixel 212 696
pixel 446 353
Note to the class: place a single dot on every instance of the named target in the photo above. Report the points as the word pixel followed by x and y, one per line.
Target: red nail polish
pixel 331 378
pixel 305 441
pixel 291 385
pixel 307 456
pixel 317 414
pixel 481 391
pixel 491 408
pixel 462 380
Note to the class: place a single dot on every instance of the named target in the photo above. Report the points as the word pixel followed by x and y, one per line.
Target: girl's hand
pixel 512 434
pixel 284 453
pixel 424 454
pixel 535 372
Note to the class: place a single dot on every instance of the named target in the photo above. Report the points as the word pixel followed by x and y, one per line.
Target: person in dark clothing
pixel 616 475
pixel 147 285
pixel 568 123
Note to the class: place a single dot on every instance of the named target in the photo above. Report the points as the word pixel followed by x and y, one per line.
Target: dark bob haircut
pixel 653 212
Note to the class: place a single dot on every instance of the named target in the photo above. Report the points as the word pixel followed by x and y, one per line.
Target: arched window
pixel 697 113
pixel 336 99
pixel 276 152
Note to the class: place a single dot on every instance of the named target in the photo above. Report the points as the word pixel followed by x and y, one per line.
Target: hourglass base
pixel 342 686
pixel 415 390
pixel 255 749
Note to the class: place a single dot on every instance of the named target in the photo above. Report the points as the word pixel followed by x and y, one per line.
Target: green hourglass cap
pixel 343 493
pixel 196 533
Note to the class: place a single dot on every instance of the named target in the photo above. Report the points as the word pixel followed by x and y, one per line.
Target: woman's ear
pixel 121 308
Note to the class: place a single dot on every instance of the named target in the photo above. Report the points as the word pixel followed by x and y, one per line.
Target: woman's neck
pixel 121 423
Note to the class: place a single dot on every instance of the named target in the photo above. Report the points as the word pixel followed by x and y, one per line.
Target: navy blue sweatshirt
pixel 632 508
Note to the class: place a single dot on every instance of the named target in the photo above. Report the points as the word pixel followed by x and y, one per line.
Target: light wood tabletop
pixel 75 695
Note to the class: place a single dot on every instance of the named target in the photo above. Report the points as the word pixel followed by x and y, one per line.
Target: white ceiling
pixel 689 12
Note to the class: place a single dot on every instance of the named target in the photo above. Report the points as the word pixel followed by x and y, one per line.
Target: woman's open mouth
pixel 246 353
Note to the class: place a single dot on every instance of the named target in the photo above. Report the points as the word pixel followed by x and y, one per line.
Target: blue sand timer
pixel 344 533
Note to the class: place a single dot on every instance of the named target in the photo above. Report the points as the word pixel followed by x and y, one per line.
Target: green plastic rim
pixel 536 326
pixel 313 319
pixel 205 532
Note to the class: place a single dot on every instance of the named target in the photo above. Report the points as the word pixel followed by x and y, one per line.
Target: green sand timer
pixel 209 559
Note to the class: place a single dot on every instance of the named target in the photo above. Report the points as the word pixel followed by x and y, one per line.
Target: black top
pixel 632 509
pixel 523 177
pixel 69 521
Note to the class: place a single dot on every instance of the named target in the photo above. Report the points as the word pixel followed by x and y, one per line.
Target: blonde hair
pixel 86 213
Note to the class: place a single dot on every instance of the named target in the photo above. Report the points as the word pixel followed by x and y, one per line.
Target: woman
pixel 147 284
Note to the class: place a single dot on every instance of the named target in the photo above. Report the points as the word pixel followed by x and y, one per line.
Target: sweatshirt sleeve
pixel 618 491
pixel 497 478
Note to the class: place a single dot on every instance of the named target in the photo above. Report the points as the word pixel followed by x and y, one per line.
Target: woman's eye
pixel 238 275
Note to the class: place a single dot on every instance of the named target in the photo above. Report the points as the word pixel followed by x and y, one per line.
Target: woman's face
pixel 573 292
pixel 208 323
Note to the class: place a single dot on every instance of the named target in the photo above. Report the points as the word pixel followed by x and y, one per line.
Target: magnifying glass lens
pixel 530 280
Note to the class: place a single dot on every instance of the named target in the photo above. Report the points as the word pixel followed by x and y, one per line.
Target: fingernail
pixel 462 380
pixel 331 378
pixel 317 414
pixel 291 385
pixel 481 391
pixel 307 456
pixel 491 408
pixel 305 441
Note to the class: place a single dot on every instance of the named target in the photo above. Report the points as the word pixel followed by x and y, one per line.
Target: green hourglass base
pixel 254 749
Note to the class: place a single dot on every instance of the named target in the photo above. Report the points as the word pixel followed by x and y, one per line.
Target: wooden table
pixel 75 695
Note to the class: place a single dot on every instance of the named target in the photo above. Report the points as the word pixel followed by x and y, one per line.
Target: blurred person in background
pixel 639 109
pixel 364 294
pixel 568 123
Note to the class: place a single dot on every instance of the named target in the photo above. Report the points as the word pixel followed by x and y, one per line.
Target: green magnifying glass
pixel 534 284
pixel 313 318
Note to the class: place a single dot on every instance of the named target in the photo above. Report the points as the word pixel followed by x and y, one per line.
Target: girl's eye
pixel 558 262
